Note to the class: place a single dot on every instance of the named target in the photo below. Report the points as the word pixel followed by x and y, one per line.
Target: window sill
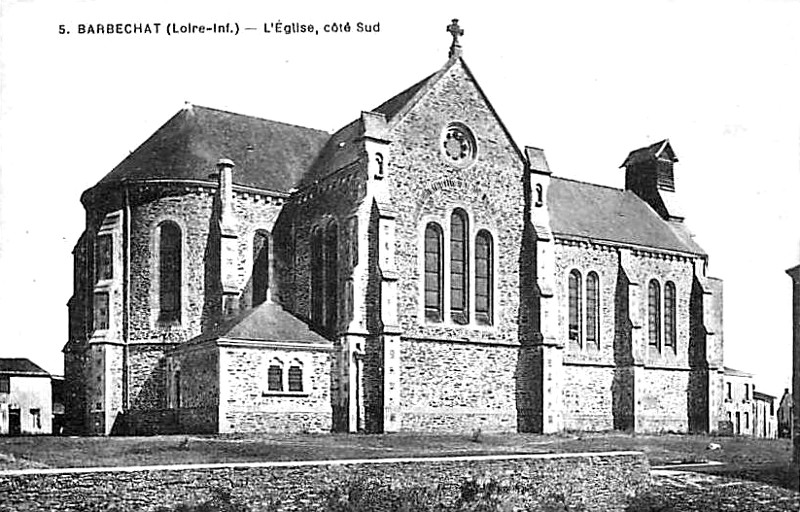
pixel 99 334
pixel 103 284
pixel 168 324
pixel 453 325
pixel 290 394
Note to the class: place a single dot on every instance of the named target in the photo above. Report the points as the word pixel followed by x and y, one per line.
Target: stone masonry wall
pixel 335 200
pixel 588 398
pixel 199 378
pixel 477 382
pixel 147 376
pixel 663 268
pixel 248 406
pixel 661 401
pixel 191 210
pixel 593 482
pixel 424 188
pixel 198 396
pixel 254 212
pixel 604 395
pixel 586 258
pixel 457 387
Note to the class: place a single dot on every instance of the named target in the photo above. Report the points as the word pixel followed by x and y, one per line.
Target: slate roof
pixel 21 366
pixel 341 149
pixel 394 105
pixel 650 152
pixel 602 213
pixel 189 145
pixel 266 322
pixel 760 395
pixel 736 373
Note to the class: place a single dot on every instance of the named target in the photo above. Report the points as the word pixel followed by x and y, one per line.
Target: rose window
pixel 459 145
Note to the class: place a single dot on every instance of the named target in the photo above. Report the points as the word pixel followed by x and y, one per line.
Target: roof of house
pixel 21 366
pixel 266 322
pixel 650 152
pixel 602 213
pixel 736 373
pixel 268 155
pixel 758 395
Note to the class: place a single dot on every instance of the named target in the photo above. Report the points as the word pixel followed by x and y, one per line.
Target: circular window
pixel 458 145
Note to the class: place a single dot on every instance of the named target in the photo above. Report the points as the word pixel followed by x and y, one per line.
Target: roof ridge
pixel 258 118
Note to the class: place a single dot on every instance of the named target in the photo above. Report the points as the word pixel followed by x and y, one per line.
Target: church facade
pixel 417 270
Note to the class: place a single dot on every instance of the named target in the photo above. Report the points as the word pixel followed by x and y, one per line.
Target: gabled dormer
pixel 649 173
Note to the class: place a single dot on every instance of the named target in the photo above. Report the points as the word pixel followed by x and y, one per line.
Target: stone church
pixel 417 270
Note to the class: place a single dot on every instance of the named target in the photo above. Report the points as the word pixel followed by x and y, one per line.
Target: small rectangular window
pixel 103 261
pixel 36 418
pixel 5 384
pixel 295 379
pixel 101 311
pixel 275 378
pixel 728 390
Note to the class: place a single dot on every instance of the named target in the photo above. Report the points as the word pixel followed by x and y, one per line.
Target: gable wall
pixel 478 383
pixel 424 187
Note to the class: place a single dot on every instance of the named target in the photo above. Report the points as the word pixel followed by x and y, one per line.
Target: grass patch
pixel 765 460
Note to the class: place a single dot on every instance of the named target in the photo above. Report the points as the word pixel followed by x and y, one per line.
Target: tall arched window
pixel 483 278
pixel 670 316
pixel 592 310
pixel 654 314
pixel 260 267
pixel 434 269
pixel 331 276
pixel 574 302
pixel 459 267
pixel 169 272
pixel 103 258
pixel 316 276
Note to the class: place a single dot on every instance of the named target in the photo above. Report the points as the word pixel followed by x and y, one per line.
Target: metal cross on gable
pixel 455 31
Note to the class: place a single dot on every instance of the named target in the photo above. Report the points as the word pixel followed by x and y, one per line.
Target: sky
pixel 587 81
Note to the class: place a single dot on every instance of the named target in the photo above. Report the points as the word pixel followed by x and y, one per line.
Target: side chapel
pixel 417 270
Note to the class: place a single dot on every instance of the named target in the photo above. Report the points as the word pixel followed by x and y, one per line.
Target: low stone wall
pixel 596 481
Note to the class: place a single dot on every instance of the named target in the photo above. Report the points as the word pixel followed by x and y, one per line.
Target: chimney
pixel 649 173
